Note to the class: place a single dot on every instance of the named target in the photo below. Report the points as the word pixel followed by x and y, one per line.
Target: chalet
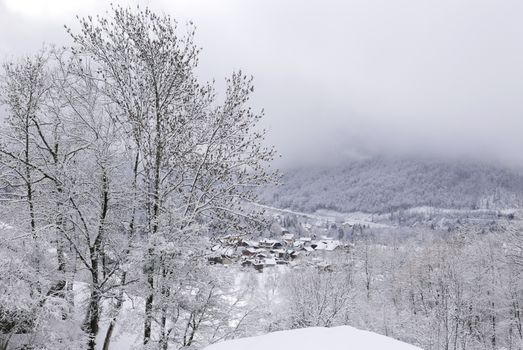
pixel 288 238
pixel 249 243
pixel 320 246
pixel 269 262
pixel 247 263
pixel 262 255
pixel 308 249
pixel 293 253
pixel 270 243
pixel 298 244
pixel 249 251
pixel 228 251
pixel 231 240
pixel 280 253
pixel 332 245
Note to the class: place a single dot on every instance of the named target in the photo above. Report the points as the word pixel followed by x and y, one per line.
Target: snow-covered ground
pixel 319 338
pixel 320 217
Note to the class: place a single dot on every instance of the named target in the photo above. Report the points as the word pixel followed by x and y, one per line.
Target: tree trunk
pixel 164 341
pixel 132 230
pixel 117 309
pixel 149 300
pixel 91 325
pixel 155 224
pixel 28 179
pixel 93 314
pixel 60 254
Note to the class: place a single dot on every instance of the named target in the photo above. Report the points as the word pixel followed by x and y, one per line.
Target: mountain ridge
pixel 384 184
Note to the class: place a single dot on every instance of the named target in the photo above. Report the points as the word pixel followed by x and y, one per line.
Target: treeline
pixel 381 185
pixel 114 161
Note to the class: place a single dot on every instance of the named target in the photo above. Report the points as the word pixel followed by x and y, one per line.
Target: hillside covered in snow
pixel 381 184
pixel 318 338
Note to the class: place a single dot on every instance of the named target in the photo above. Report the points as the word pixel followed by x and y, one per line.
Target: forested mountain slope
pixel 385 184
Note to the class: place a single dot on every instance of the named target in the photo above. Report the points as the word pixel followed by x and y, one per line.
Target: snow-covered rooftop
pixel 318 338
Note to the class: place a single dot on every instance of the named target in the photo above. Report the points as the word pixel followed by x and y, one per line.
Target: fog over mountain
pixel 346 77
pixel 382 184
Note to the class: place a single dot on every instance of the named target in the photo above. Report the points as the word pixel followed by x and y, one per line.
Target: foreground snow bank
pixel 337 338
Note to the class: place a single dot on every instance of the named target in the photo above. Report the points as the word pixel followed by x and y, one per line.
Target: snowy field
pixel 319 338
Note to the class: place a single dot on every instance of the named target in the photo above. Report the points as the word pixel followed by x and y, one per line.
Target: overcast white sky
pixel 438 77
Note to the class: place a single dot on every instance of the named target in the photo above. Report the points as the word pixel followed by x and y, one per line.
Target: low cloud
pixel 351 77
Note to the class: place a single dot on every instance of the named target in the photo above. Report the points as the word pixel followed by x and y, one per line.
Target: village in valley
pixel 297 243
pixel 269 252
pixel 299 239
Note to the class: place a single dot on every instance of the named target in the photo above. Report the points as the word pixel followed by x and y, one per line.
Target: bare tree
pixel 319 298
pixel 23 92
pixel 197 162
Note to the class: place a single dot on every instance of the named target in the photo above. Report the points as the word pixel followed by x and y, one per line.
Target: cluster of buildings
pixel 266 252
